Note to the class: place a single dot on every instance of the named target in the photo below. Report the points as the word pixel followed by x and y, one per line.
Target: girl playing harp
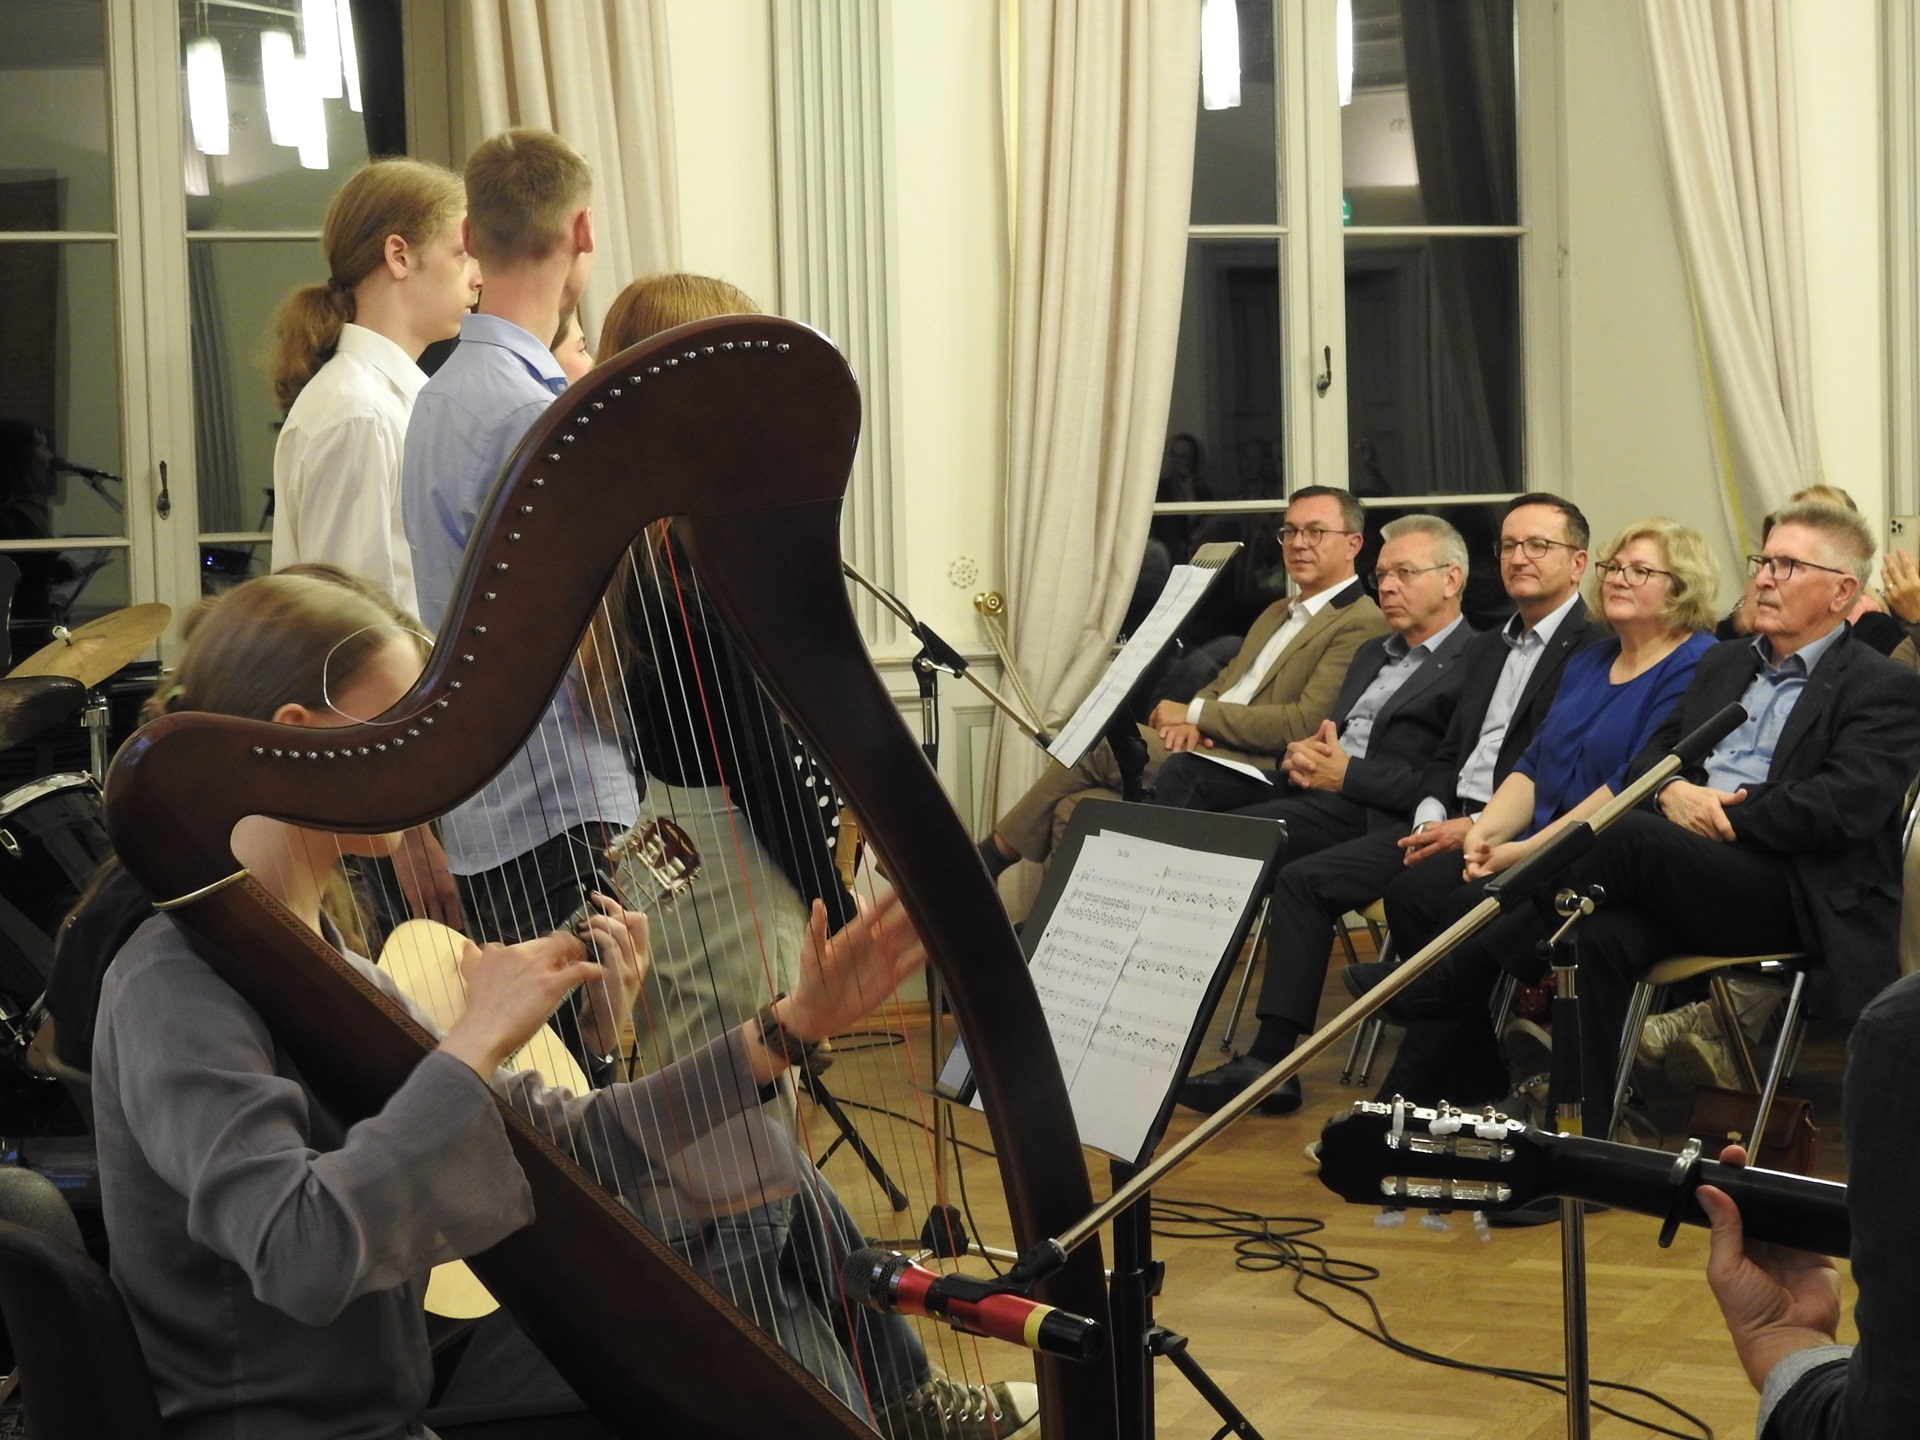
pixel 273 1258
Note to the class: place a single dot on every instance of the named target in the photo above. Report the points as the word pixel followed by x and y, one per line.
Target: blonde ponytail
pixel 408 198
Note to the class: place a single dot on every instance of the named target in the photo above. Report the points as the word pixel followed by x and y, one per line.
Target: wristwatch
pixel 782 1041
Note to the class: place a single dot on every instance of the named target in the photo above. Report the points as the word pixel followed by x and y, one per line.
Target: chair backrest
pixel 81 1371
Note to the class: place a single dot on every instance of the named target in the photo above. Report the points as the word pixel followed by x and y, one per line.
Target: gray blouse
pixel 274 1259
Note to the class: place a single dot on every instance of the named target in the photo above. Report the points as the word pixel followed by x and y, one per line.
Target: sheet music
pixel 1123 968
pixel 1184 588
pixel 1252 771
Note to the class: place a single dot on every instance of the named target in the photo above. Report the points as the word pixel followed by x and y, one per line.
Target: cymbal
pixel 98 648
pixel 29 704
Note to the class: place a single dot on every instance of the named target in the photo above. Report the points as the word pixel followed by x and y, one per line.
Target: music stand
pixel 1137 1276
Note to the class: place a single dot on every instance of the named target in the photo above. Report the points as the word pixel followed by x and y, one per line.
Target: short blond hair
pixel 1693 591
pixel 523 189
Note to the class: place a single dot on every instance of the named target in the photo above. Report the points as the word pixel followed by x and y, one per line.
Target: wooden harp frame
pixel 743 428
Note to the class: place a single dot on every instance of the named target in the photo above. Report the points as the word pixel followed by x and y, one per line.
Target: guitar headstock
pixel 1432 1158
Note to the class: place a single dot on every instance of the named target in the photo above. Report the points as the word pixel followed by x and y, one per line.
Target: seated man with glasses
pixel 1786 837
pixel 1218 751
pixel 1508 679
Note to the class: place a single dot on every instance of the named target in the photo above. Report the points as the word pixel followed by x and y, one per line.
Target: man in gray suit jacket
pixel 1282 684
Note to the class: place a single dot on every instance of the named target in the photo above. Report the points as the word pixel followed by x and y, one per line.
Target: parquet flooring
pixel 1298 1373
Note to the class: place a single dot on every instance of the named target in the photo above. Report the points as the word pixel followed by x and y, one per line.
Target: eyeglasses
pixel 1402 574
pixel 1314 535
pixel 1781 567
pixel 1534 547
pixel 1633 575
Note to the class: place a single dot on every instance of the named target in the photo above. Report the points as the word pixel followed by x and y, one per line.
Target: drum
pixel 52 841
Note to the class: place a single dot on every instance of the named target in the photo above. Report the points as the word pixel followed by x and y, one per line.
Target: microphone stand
pixel 1507 892
pixel 945 1232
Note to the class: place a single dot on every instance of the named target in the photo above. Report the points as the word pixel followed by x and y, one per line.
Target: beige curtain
pixel 594 72
pixel 1101 126
pixel 1723 74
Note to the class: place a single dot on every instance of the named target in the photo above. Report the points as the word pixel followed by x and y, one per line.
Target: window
pixel 1371 274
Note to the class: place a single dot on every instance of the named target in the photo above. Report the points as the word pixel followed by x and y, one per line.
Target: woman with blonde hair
pixel 343 364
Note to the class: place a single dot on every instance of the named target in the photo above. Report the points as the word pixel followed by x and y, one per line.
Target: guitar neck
pixel 1778 1208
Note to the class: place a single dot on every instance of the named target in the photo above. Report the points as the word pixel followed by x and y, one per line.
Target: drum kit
pixel 53 835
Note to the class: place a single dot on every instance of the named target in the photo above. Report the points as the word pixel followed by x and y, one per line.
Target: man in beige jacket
pixel 1277 689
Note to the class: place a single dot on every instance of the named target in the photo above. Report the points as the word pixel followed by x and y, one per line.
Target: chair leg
pixel 1346 941
pixel 1376 1027
pixel 1503 994
pixel 1351 1068
pixel 1790 1021
pixel 1256 939
pixel 1637 1009
pixel 1736 1037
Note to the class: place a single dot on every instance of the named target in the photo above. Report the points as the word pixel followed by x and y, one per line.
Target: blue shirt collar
pixel 492 330
pixel 1398 649
pixel 1809 655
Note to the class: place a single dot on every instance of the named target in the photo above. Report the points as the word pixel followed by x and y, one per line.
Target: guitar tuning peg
pixel 1390 1219
pixel 1490 1125
pixel 1480 1226
pixel 1434 1220
pixel 1444 1123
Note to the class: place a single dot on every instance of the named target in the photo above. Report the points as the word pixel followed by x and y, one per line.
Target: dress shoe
pixel 1207 1093
pixel 1424 1001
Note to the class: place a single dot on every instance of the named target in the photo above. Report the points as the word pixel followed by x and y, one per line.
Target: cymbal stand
pixel 95 718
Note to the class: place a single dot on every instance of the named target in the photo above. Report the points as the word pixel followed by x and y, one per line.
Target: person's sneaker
pixel 1661 1032
pixel 1529 1102
pixel 1702 1058
pixel 949 1409
pixel 1528 1046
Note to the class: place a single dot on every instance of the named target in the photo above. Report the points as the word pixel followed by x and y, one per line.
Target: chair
pixel 78 1360
pixel 1677 968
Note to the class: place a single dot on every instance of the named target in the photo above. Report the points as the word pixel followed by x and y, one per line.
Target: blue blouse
pixel 1595 727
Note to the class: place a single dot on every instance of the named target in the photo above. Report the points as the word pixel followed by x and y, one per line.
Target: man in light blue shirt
pixel 527 847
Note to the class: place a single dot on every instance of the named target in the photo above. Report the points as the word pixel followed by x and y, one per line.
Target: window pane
pixel 54 169
pixel 258 184
pixel 235 287
pixel 224 566
pixel 62 587
pixel 1224 423
pixel 1235 160
pixel 59 391
pixel 1433 365
pixel 1428 138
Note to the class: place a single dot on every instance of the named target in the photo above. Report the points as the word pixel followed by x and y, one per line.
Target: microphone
pixel 85 472
pixel 1698 744
pixel 883 1280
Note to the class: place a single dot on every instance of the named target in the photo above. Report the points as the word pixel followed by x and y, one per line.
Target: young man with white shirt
pixel 398 279
pixel 1275 691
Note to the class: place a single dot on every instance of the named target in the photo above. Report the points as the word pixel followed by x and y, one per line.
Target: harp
pixel 744 430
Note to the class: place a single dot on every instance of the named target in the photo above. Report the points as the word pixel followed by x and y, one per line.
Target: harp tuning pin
pixel 491 595
pixel 601 405
pixel 479 629
pixel 499 565
pixel 259 749
pixel 782 347
pixel 551 455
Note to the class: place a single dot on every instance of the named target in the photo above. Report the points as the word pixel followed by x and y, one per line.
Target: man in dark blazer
pixel 1786 837
pixel 1507 681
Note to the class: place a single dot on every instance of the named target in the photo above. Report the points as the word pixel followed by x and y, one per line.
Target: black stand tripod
pixel 1137 1340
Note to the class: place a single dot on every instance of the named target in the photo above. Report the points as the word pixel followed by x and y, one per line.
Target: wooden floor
pixel 1301 1375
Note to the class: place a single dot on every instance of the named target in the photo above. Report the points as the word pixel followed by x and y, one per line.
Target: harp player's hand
pixel 511 990
pixel 843 976
pixel 617 938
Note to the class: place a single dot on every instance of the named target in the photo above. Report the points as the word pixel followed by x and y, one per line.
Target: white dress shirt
pixel 1248 685
pixel 336 469
pixel 1475 785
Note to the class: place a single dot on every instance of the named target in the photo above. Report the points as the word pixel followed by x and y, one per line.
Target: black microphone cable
pixel 1281 1242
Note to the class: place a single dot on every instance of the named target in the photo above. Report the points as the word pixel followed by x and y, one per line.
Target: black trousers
pixel 1310 894
pixel 1667 891
pixel 1187 782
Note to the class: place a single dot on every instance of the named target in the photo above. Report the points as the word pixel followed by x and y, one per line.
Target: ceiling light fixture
pixel 1219 54
pixel 207 96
